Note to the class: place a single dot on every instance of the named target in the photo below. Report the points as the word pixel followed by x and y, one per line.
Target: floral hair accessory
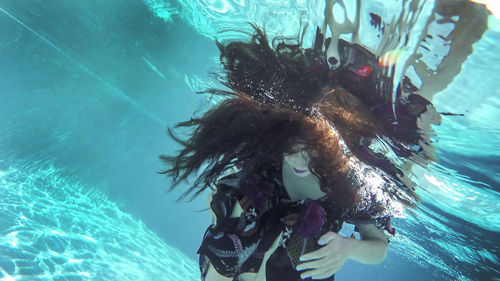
pixel 310 220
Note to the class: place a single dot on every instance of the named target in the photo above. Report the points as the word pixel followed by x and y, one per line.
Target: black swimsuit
pixel 237 245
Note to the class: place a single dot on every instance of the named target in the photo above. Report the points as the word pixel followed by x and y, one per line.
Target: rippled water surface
pixel 89 87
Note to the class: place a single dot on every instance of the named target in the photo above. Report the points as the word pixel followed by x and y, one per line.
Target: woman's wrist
pixel 352 245
pixel 371 251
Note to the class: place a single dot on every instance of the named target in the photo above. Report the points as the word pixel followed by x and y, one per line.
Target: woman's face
pixel 299 162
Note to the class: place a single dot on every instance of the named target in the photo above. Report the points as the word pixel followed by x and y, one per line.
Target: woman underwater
pixel 294 181
pixel 288 157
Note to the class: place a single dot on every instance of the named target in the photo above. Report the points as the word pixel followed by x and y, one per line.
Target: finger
pixel 327 237
pixel 319 273
pixel 245 203
pixel 291 216
pixel 313 264
pixel 324 271
pixel 327 273
pixel 247 200
pixel 290 219
pixel 290 222
pixel 318 254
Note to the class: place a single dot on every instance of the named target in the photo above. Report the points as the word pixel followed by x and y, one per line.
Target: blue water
pixel 88 89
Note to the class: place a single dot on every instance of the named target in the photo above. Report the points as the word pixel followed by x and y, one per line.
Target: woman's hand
pixel 327 260
pixel 323 263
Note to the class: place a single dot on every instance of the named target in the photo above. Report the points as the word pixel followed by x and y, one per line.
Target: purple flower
pixel 310 220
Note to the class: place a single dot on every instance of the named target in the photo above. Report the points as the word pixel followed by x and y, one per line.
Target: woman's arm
pixel 371 249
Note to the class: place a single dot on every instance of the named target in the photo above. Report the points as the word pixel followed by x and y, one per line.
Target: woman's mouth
pixel 299 171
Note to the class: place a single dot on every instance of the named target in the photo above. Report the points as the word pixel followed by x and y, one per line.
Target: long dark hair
pixel 243 131
pixel 280 95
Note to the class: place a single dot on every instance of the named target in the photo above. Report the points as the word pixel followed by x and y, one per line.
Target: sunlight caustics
pixel 53 228
pixel 161 9
pixel 218 18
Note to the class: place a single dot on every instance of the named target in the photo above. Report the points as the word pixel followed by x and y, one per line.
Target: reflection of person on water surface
pixel 289 159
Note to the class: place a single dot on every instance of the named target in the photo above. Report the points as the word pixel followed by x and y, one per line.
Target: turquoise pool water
pixel 88 89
